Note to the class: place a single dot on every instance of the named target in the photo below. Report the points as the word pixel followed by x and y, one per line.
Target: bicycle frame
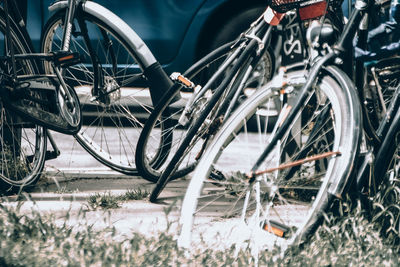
pixel 293 45
pixel 275 20
pixel 259 37
pixel 10 7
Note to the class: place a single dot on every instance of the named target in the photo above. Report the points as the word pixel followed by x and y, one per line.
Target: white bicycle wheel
pixel 226 203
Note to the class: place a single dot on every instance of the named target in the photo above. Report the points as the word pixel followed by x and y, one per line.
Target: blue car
pixel 178 32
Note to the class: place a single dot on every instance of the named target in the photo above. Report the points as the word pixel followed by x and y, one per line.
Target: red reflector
pixel 274 230
pixel 185 81
pixel 312 11
pixel 66 58
pixel 272 17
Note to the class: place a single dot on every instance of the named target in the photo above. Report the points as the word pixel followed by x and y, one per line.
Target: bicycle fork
pixel 304 94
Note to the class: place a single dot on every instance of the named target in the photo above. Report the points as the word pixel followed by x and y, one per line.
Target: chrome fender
pixel 118 25
pixel 338 184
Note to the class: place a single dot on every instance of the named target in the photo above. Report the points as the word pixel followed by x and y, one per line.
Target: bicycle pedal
pixel 276 228
pixel 51 155
pixel 66 58
pixel 48 156
pixel 177 77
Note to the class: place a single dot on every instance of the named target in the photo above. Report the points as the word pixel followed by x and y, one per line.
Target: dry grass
pixel 352 238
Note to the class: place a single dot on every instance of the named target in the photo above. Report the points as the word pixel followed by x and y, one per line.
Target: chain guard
pixel 36 98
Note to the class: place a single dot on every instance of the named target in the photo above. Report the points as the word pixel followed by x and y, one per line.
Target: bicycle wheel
pixel 227 202
pixel 22 144
pixel 382 79
pixel 386 160
pixel 111 87
pixel 170 121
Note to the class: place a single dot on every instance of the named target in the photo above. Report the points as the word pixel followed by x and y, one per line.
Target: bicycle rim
pixel 225 204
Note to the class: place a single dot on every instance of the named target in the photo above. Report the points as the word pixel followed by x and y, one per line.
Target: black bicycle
pixel 116 78
pixel 236 72
pixel 30 98
pixel 117 82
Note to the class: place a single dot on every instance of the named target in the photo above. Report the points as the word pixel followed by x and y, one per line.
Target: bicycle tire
pixel 155 148
pixel 209 120
pixel 22 143
pixel 113 121
pixel 287 204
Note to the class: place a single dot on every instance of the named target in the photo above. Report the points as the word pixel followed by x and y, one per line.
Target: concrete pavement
pixel 74 176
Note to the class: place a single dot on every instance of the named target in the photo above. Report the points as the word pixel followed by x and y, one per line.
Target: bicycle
pixel 112 58
pixel 306 158
pixel 30 100
pixel 117 83
pixel 236 78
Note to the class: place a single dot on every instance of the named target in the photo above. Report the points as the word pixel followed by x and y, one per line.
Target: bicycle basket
pixel 283 6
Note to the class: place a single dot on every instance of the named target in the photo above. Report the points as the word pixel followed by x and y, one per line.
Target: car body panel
pixel 174 30
pixel 169 28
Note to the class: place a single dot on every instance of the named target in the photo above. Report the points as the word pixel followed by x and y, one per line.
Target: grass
pixel 12 164
pixel 110 201
pixel 352 239
pixel 64 190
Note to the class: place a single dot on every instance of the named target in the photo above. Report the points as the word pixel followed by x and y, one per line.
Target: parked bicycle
pixel 301 154
pixel 247 65
pixel 30 98
pixel 116 83
pixel 116 79
pixel 176 132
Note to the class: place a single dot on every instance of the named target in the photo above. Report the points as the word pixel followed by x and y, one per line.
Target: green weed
pixel 110 201
pixel 135 194
pixel 103 201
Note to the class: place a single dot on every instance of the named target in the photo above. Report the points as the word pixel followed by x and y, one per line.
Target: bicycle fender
pixel 338 184
pixel 118 25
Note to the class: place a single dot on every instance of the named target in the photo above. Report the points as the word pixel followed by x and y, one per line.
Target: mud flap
pixel 159 83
